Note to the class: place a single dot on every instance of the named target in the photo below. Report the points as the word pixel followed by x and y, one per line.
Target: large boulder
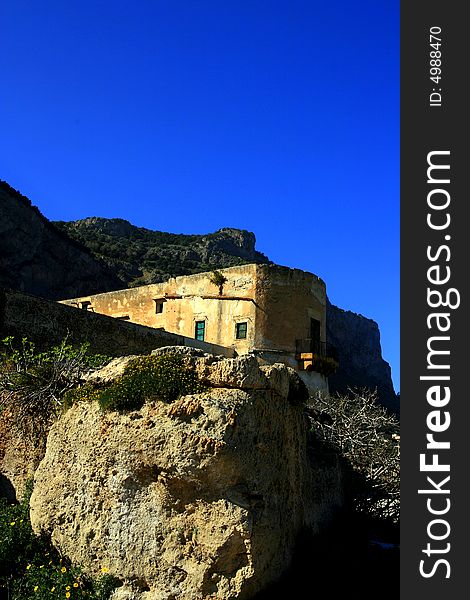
pixel 201 498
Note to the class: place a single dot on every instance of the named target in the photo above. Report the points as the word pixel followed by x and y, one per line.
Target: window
pixel 159 306
pixel 86 305
pixel 240 331
pixel 200 330
pixel 315 344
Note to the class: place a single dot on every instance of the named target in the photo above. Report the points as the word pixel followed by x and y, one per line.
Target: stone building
pixel 276 313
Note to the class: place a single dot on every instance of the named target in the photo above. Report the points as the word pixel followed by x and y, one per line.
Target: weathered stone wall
pixel 188 299
pixel 47 323
pixel 277 304
pixel 287 300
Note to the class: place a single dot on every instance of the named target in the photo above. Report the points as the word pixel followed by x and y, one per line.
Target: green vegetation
pixel 140 256
pixel 31 568
pixel 33 384
pixel 367 437
pixel 165 378
pixel 218 279
pixel 37 386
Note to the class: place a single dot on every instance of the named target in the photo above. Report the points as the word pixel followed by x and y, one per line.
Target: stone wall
pixel 288 299
pixel 47 323
pixel 276 302
pixel 186 300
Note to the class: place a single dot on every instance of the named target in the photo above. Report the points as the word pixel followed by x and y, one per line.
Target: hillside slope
pixel 38 258
pixel 141 256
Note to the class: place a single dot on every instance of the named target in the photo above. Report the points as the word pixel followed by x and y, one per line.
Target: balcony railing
pixel 312 346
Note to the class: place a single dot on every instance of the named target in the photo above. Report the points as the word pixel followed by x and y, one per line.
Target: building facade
pixel 276 313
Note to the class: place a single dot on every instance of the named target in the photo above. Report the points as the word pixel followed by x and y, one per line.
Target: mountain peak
pixel 141 256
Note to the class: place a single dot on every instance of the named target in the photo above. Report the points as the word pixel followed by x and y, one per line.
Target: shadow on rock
pixel 355 557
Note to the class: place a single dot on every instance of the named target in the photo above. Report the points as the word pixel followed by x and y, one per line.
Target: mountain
pixel 38 258
pixel 140 256
pixel 357 340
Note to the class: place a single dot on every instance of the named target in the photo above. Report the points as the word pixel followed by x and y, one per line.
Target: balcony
pixel 314 355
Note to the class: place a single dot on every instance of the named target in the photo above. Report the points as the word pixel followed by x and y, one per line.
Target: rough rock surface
pixel 38 258
pixel 19 458
pixel 201 498
pixel 141 256
pixel 357 340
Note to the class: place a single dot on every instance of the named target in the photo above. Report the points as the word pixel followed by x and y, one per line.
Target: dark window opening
pixel 200 330
pixel 86 305
pixel 240 331
pixel 159 306
pixel 315 344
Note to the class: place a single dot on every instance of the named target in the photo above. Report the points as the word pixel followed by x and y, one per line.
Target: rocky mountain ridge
pixel 357 340
pixel 38 258
pixel 140 256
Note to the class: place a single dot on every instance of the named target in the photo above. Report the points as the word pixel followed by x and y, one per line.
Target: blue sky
pixel 280 117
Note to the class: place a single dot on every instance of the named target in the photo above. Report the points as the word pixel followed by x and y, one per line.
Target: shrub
pixel 217 278
pixel 33 383
pixel 367 436
pixel 87 392
pixel 31 568
pixel 162 377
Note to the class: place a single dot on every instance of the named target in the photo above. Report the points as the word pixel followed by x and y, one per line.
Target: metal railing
pixel 323 349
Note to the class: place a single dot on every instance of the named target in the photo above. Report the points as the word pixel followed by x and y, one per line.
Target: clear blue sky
pixel 281 117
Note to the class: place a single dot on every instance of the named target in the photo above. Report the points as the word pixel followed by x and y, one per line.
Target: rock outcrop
pixel 38 258
pixel 357 340
pixel 201 498
pixel 140 256
pixel 19 457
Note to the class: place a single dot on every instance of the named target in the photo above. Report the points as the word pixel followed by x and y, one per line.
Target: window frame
pixel 197 330
pixel 159 302
pixel 238 327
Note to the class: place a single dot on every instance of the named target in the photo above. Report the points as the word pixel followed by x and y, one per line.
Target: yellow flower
pixel 63 570
pixel 53 589
pixel 35 588
pixel 28 567
pixel 67 588
pixel 67 595
pixel 13 523
pixel 75 584
pixel 104 570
